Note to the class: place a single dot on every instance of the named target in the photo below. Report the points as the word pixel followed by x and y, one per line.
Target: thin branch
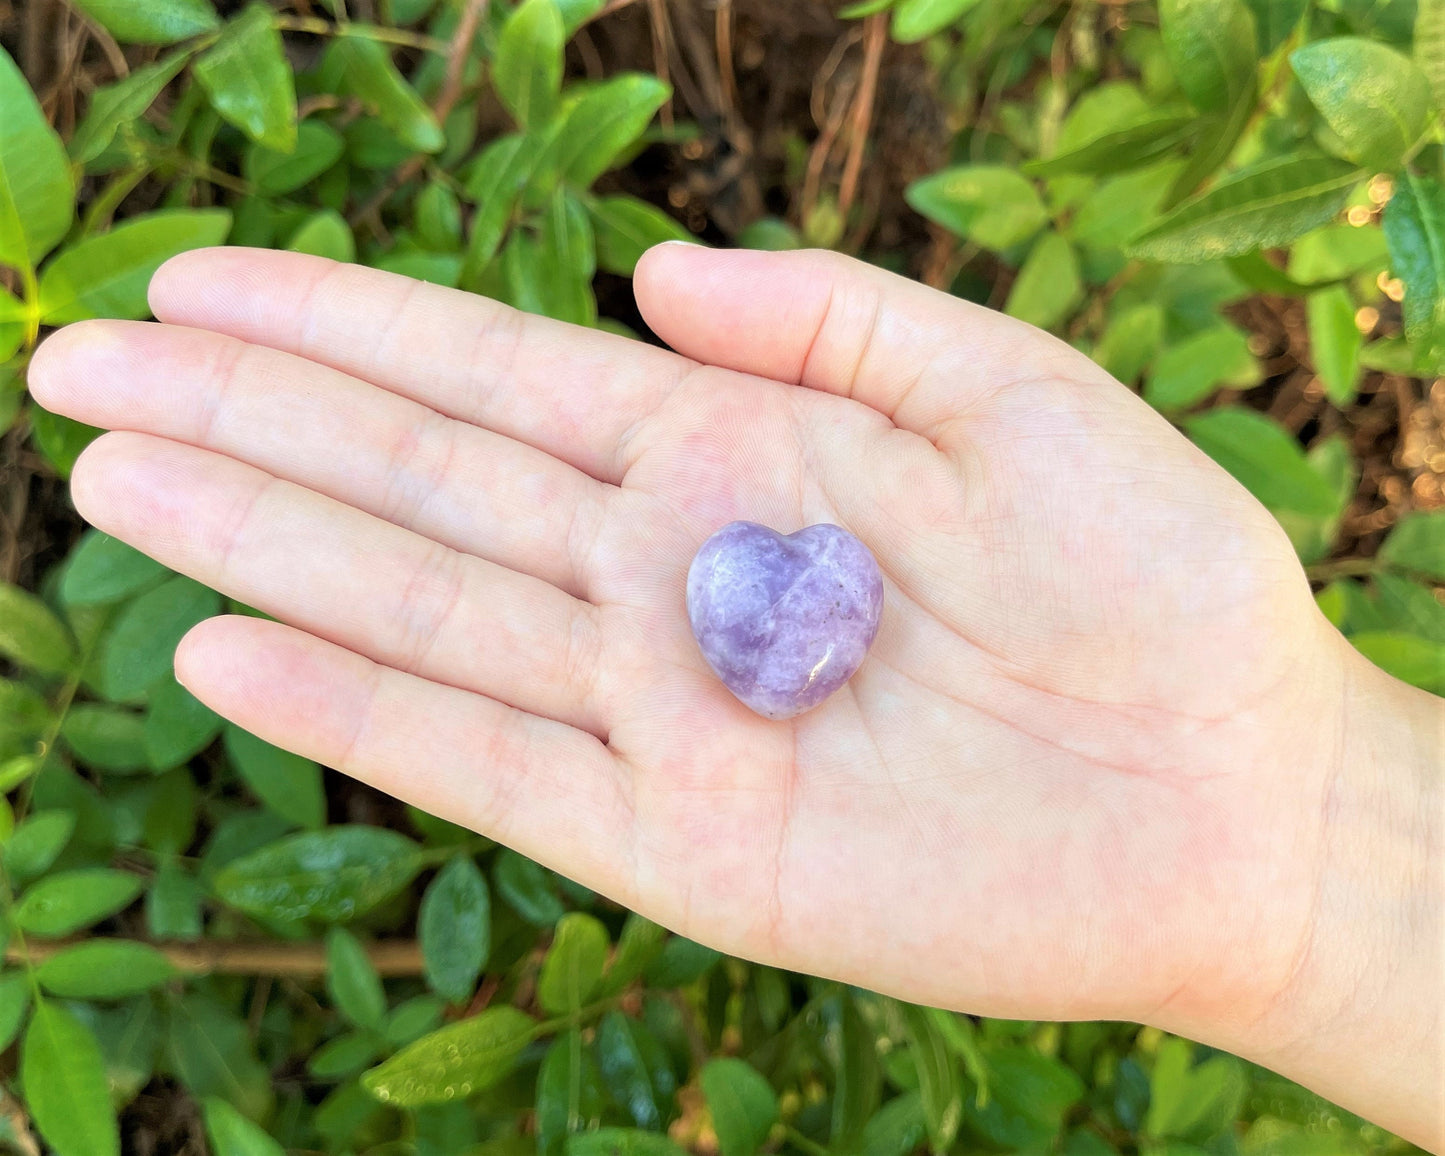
pixel 875 37
pixel 390 957
pixel 400 36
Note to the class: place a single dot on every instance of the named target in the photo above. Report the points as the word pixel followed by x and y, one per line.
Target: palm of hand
pixel 1053 740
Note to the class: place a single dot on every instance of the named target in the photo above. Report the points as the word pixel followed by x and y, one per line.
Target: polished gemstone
pixel 784 620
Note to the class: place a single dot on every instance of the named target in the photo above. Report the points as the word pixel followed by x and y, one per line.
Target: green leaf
pixel 14 1003
pixel 102 569
pixel 108 738
pixel 939 1082
pixel 288 784
pixel 1429 44
pixel 1333 253
pixel 1264 458
pixel 604 122
pixel 1414 225
pixel 569 1092
pixel 626 227
pixel 564 262
pixel 527 887
pixel 211 1053
pixel 31 635
pixel 106 275
pixel 438 216
pixel 1029 1095
pixel 1411 606
pixel 37 187
pixel 1192 370
pixel 897 1128
pixel 857 1075
pixel 454 925
pixel 345 1055
pixel 121 103
pixel 232 1134
pixel 1048 286
pixel 1211 44
pixel 1418 543
pixel 318 147
pixel 151 21
pixel 625 1071
pixel 640 942
pixel 23 713
pixel 1269 204
pixel 681 962
pixel 139 649
pixel 331 875
pixel 1410 658
pixel 249 81
pixel 915 20
pixel 527 69
pixel 70 900
pixel 742 1103
pixel 1131 341
pixel 992 206
pixel 104 969
pixel 1374 98
pixel 178 726
pixel 1188 1102
pixel 455 1061
pixel 36 843
pixel 413 1018
pixel 60 439
pixel 864 8
pixel 63 1075
pixel 1335 342
pixel 622 1142
pixel 573 966
pixel 1274 20
pixel 173 903
pixel 1130 147
pixel 324 234
pixel 1216 143
pixel 495 184
pixel 367 73
pixel 352 982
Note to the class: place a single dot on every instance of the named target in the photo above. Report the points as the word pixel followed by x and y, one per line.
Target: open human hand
pixel 1082 773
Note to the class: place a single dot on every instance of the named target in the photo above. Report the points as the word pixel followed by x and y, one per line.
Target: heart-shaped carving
pixel 784 620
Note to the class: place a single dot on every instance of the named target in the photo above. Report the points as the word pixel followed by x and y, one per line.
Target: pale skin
pixel 1105 760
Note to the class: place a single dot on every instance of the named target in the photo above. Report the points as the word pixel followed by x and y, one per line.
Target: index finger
pixel 573 392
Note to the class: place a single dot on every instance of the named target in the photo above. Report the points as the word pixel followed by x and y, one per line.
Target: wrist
pixel 1347 997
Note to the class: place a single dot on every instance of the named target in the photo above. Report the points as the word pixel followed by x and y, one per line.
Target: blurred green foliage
pixel 179 907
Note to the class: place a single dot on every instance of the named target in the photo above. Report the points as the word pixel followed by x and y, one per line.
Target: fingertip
pixel 61 358
pixel 177 275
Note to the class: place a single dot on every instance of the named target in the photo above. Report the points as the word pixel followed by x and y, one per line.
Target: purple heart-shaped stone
pixel 784 620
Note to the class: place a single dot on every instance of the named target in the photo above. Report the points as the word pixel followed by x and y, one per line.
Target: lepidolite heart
pixel 784 620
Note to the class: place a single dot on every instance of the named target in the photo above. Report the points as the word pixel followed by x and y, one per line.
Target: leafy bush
pixel 195 917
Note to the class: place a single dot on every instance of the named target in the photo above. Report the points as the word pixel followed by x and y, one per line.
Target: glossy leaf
pixel 138 650
pixel 324 234
pixel 915 20
pixel 1274 20
pixel 527 68
pixel 1335 342
pixel 1212 46
pixel 352 981
pixel 494 185
pixel 106 275
pixel 626 227
pixel 249 80
pixel 563 263
pixel 743 1105
pixel 106 737
pixel 604 122
pixel 1429 46
pixel 1264 457
pixel 37 189
pixel 151 21
pixel 36 843
pixel 367 73
pixel 573 966
pixel 1190 371
pixel 30 633
pixel 63 1076
pixel 454 1062
pixel 1414 224
pixel 1125 148
pixel 1270 204
pixel 1374 98
pixel 1028 1097
pixel 104 969
pixel 1410 658
pixel 1189 1101
pixel 318 147
pixel 569 1092
pixel 67 901
pixel 331 875
pixel 992 206
pixel 288 784
pixel 115 105
pixel 178 726
pixel 527 888
pixel 454 925
pixel 211 1053
pixel 1218 137
pixel 640 942
pixel 625 1071
pixel 857 1075
pixel 14 1004
pixel 1418 543
pixel 1131 341
pixel 231 1134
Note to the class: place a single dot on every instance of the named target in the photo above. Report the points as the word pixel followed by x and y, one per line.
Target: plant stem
pixel 390 957
pixel 318 27
pixel 1341 568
